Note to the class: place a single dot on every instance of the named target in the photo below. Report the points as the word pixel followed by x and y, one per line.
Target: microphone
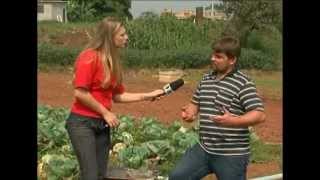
pixel 169 88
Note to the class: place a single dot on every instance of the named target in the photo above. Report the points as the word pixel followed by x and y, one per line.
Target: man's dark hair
pixel 228 45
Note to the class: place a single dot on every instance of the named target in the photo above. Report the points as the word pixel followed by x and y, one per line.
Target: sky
pixel 156 6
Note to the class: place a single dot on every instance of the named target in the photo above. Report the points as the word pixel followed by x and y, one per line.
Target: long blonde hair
pixel 108 52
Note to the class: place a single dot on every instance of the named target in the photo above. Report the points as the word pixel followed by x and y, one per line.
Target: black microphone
pixel 169 88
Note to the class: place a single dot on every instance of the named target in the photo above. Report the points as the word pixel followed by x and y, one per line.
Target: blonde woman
pixel 97 83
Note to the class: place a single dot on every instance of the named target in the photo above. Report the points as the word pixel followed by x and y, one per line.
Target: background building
pixel 52 10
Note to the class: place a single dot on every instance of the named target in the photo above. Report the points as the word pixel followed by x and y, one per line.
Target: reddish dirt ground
pixel 55 89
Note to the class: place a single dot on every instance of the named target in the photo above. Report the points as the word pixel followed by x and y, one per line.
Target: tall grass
pixel 169 33
pixel 166 42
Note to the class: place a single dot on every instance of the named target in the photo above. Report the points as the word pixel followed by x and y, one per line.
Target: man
pixel 227 102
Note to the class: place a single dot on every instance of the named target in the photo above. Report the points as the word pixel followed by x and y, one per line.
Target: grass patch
pixel 267 82
pixel 262 152
pixel 53 27
pixel 54 68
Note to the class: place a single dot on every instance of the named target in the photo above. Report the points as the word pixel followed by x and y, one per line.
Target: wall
pixel 58 11
pixel 52 11
pixel 47 13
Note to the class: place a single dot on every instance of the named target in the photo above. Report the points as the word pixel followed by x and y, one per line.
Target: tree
pixel 84 10
pixel 80 10
pixel 119 8
pixel 218 7
pixel 244 16
pixel 148 15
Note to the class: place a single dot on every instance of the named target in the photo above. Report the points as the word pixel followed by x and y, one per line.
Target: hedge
pixel 196 57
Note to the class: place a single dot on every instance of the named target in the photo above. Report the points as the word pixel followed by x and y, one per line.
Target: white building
pixel 52 10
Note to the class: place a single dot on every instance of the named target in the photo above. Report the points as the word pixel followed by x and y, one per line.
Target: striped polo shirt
pixel 238 94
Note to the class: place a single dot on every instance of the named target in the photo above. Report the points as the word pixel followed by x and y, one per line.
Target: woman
pixel 98 82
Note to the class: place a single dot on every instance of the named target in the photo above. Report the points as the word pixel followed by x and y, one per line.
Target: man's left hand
pixel 227 119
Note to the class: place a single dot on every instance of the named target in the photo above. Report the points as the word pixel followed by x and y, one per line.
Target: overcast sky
pixel 156 6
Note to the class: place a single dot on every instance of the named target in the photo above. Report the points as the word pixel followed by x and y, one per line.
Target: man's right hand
pixel 187 114
pixel 111 119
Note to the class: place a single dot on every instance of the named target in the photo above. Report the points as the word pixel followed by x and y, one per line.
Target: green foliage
pixel 148 15
pixel 55 156
pixel 262 152
pixel 165 42
pixel 133 156
pixel 94 10
pixel 167 32
pixel 246 16
pixel 59 166
pixel 153 139
pixel 184 140
pixel 256 59
pixel 80 10
pixel 51 129
pixel 179 58
pixel 144 139
pixel 162 148
pixel 152 129
pixel 258 12
pixel 60 29
pixel 56 55
pixel 132 58
pixel 268 41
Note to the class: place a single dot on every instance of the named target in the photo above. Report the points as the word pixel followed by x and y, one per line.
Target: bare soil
pixel 55 89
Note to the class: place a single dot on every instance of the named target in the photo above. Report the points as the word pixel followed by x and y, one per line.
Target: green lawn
pixel 269 83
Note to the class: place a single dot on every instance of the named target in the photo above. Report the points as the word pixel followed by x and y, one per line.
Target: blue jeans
pixel 197 163
pixel 90 140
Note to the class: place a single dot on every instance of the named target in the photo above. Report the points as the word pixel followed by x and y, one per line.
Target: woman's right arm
pixel 84 96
